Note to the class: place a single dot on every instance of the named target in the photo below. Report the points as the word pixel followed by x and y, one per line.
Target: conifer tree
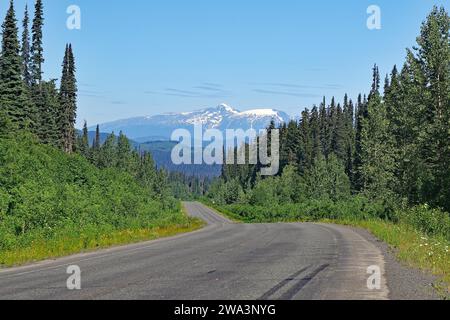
pixel 324 128
pixel 305 146
pixel 14 99
pixel 357 165
pixel 68 101
pixel 123 153
pixel 83 142
pixel 429 65
pixel 25 50
pixel 293 141
pixel 46 100
pixel 37 51
pixel 97 143
pixel 377 153
pixel 315 134
pixel 339 136
pixel 107 155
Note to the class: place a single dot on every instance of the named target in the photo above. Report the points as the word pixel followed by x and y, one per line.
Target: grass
pixel 65 245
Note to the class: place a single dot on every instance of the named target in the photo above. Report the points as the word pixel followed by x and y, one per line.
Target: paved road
pixel 222 261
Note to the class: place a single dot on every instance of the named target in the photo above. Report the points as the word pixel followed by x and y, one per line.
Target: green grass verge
pixel 92 239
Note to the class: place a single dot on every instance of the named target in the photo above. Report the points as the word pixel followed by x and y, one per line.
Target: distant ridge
pixel 160 127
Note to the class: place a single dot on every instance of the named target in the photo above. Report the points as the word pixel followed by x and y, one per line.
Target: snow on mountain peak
pixel 227 108
pixel 261 113
pixel 222 117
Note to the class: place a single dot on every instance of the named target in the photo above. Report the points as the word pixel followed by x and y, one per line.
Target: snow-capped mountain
pixel 160 127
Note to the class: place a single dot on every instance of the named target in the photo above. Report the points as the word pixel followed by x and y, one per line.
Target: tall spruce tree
pixel 123 153
pixel 429 63
pixel 339 136
pixel 305 146
pixel 314 124
pixel 324 128
pixel 377 153
pixel 357 165
pixel 46 99
pixel 14 99
pixel 68 101
pixel 37 51
pixel 25 50
pixel 83 142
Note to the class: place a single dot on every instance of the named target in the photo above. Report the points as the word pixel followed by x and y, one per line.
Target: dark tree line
pixel 27 102
pixel 392 144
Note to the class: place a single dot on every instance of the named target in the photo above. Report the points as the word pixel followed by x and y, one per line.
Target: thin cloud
pixel 178 91
pixel 299 86
pixel 287 93
pixel 202 91
pixel 207 88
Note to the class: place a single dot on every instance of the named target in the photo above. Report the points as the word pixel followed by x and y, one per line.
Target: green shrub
pixel 433 222
pixel 45 193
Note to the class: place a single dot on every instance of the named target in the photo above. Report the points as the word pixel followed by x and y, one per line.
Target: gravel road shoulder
pixel 405 282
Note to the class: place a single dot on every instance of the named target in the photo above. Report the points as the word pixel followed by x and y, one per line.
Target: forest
pixel 59 192
pixel 381 160
pixel 392 145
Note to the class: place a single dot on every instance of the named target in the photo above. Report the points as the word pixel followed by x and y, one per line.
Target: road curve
pixel 224 260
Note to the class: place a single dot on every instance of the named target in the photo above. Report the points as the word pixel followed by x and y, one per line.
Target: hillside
pixel 52 204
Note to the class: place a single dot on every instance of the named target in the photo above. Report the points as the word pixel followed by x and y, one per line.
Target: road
pixel 224 260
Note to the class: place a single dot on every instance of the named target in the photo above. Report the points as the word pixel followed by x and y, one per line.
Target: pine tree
pixel 349 111
pixel 339 135
pixel 46 100
pixel 375 82
pixel 95 150
pixel 314 124
pixel 83 142
pixel 324 128
pixel 25 50
pixel 429 65
pixel 433 59
pixel 123 153
pixel 68 100
pixel 107 155
pixel 97 143
pixel 293 141
pixel 377 151
pixel 14 99
pixel 357 165
pixel 305 145
pixel 37 51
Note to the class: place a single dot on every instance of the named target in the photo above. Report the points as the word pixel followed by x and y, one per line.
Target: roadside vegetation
pixel 59 192
pixel 53 204
pixel 381 163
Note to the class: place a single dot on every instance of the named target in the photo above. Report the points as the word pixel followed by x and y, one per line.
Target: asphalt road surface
pixel 224 260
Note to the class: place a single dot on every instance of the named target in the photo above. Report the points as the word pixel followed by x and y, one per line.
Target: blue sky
pixel 141 57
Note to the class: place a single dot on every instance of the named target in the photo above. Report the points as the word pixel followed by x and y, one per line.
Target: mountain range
pixel 161 127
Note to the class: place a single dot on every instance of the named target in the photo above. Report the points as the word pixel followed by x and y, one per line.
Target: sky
pixel 141 58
